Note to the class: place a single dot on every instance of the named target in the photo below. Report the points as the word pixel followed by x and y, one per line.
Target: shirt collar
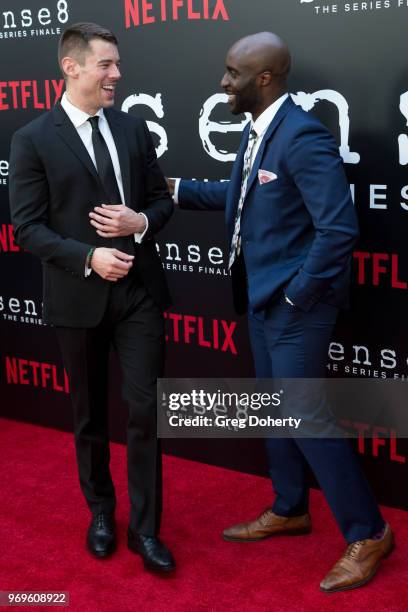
pixel 261 124
pixel 77 116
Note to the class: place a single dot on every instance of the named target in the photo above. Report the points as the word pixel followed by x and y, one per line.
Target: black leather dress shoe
pixel 101 539
pixel 156 557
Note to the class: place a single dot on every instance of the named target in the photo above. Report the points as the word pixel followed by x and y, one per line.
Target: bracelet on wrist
pixel 88 262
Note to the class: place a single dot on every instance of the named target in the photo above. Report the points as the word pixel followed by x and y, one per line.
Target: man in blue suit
pixel 291 229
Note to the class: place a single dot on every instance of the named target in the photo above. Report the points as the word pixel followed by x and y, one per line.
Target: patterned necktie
pixel 104 164
pixel 246 170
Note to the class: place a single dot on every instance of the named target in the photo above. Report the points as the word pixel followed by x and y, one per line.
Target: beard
pixel 246 101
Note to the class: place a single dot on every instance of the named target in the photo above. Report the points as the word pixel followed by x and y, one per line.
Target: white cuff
pixel 139 236
pixel 176 190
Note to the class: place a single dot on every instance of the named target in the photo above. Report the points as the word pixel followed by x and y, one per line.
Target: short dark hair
pixel 75 39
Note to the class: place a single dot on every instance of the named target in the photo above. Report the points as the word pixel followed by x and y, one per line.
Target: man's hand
pixel 111 264
pixel 170 185
pixel 114 220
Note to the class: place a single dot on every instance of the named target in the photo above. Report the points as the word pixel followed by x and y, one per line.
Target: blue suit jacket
pixel 297 231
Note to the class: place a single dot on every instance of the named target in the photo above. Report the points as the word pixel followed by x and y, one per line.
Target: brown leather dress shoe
pixel 266 525
pixel 358 564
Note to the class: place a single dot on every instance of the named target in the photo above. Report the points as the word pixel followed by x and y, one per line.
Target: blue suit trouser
pixel 290 343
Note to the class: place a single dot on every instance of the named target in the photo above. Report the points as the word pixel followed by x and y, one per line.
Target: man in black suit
pixel 87 196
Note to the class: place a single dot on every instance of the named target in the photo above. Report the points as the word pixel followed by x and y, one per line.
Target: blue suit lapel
pixel 280 115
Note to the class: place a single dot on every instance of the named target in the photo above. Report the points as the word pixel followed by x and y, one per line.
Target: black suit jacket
pixel 53 187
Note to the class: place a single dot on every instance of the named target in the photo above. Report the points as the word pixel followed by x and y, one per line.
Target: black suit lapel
pixel 66 130
pixel 119 136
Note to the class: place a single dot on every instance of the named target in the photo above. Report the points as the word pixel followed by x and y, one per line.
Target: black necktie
pixel 104 164
pixel 108 179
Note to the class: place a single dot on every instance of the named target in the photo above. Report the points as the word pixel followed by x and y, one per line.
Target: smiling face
pixel 92 79
pixel 240 83
pixel 256 70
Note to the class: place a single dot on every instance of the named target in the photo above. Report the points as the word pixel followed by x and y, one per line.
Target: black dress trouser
pixel 133 326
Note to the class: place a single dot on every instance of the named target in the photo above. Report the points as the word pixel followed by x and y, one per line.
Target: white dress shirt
pixel 260 126
pixel 80 121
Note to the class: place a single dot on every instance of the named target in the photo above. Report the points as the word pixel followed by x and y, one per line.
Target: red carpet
pixel 43 521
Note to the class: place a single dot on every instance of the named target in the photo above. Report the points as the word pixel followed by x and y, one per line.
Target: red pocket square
pixel 264 176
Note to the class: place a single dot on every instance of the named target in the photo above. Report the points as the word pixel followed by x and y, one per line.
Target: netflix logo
pixel 7 242
pixel 30 94
pixel 36 374
pixel 375 441
pixel 379 270
pixel 215 334
pixel 143 12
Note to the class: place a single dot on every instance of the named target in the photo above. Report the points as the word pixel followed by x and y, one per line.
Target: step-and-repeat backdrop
pixel 349 67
